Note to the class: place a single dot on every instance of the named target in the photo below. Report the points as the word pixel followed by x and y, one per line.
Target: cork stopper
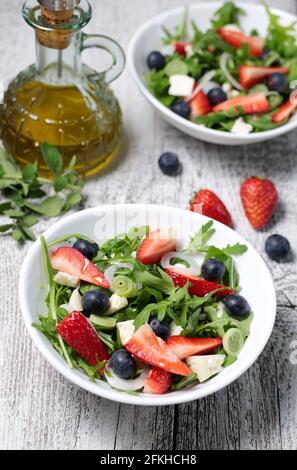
pixel 57 38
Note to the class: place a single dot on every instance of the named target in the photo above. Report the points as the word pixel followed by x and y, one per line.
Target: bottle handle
pixel 90 41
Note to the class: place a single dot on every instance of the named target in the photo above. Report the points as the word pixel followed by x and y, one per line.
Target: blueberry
pixel 169 164
pixel 237 306
pixel 278 82
pixel 88 249
pixel 156 61
pixel 123 364
pixel 217 96
pixel 160 328
pixel 182 108
pixel 277 247
pixel 213 270
pixel 95 302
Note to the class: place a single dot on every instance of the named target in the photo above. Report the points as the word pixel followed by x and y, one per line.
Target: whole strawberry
pixel 207 203
pixel 259 199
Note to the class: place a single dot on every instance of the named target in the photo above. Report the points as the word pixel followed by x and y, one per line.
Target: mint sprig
pixel 30 195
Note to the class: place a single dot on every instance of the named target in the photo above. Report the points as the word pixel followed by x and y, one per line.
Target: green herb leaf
pixel 6 227
pixel 73 200
pixel 52 158
pixel 30 172
pixel 60 183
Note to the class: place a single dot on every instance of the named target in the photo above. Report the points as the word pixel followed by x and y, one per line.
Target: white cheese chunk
pixel 75 301
pixel 241 127
pixel 227 87
pixel 181 85
pixel 206 366
pixel 168 50
pixel 232 27
pixel 126 330
pixel 189 50
pixel 116 303
pixel 65 279
pixel 220 309
pixel 234 93
pixel 174 329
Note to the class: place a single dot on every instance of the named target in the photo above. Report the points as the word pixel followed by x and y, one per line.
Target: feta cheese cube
pixel 126 330
pixel 227 88
pixel 189 50
pixel 65 279
pixel 241 127
pixel 168 50
pixel 174 329
pixel 206 366
pixel 232 27
pixel 75 301
pixel 181 85
pixel 116 303
pixel 234 93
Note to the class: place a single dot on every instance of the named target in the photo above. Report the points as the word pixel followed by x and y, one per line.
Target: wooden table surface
pixel 39 409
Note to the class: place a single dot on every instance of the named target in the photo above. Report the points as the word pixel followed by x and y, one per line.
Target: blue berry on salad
pixel 181 108
pixel 278 82
pixel 237 306
pixel 160 328
pixel 155 61
pixel 217 96
pixel 277 247
pixel 88 249
pixel 123 364
pixel 169 164
pixel 213 270
pixel 95 302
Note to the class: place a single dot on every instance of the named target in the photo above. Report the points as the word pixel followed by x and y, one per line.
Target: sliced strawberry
pixel 73 262
pixel 200 105
pixel 180 47
pixel 200 286
pixel 158 381
pixel 81 336
pixel 284 111
pixel 251 75
pixel 249 104
pixel 152 350
pixel 238 39
pixel 184 347
pixel 156 245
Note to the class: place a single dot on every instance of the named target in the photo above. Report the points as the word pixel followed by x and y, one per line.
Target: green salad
pixel 142 314
pixel 227 78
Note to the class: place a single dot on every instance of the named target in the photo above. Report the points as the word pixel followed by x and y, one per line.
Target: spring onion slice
pixel 124 286
pixel 130 385
pixel 223 64
pixel 233 341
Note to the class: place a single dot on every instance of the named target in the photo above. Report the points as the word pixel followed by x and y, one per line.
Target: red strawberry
pixel 180 47
pixel 152 350
pixel 237 39
pixel 156 245
pixel 183 346
pixel 251 75
pixel 200 286
pixel 207 203
pixel 200 105
pixel 249 104
pixel 81 336
pixel 159 381
pixel 284 111
pixel 73 262
pixel 259 199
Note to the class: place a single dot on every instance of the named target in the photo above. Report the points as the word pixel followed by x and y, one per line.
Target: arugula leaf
pixel 227 14
pixel 163 284
pixel 180 33
pixel 214 119
pixel 201 238
pixel 280 39
pixel 185 382
pixel 235 250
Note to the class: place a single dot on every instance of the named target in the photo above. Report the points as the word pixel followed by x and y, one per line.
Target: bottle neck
pixel 59 66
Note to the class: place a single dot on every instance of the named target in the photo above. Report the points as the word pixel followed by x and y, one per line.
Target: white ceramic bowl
pixel 148 38
pixel 106 221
